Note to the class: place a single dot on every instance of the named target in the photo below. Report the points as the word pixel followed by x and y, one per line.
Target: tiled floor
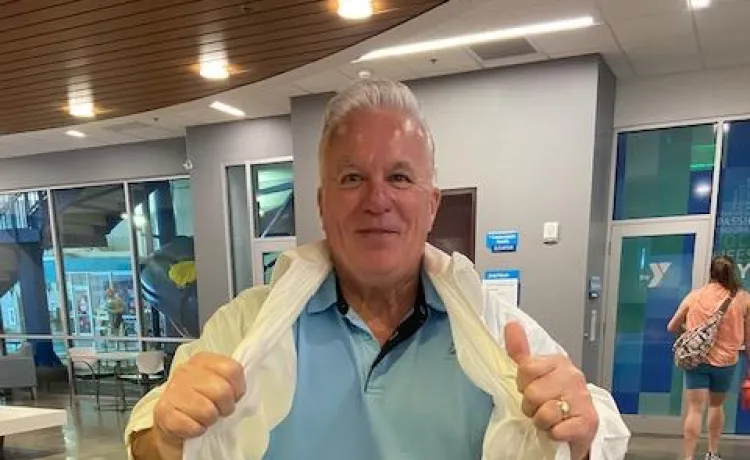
pixel 642 448
pixel 97 435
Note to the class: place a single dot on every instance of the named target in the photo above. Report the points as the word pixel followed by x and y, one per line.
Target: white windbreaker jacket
pixel 256 330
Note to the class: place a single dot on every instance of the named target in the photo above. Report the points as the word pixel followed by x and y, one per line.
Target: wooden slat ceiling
pixel 140 55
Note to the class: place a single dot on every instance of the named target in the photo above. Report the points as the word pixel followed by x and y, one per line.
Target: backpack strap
pixel 725 305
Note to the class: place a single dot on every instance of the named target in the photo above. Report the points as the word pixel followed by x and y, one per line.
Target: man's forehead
pixel 350 160
pixel 362 120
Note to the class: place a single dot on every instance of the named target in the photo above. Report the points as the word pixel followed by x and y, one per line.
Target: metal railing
pixel 18 210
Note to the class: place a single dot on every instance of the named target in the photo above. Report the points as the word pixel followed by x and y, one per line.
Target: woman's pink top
pixel 704 302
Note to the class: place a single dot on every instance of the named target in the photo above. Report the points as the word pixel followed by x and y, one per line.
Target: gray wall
pixel 683 98
pixel 103 164
pixel 211 148
pixel 524 136
pixel 599 218
pixel 307 125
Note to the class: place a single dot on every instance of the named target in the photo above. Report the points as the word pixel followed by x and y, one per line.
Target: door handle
pixel 593 325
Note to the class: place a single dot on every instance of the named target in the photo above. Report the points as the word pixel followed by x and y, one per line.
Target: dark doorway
pixel 455 225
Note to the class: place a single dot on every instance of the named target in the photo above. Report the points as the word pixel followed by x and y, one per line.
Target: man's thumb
pixel 516 343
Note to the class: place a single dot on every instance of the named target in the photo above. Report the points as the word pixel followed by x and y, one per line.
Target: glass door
pixel 653 266
pixel 260 199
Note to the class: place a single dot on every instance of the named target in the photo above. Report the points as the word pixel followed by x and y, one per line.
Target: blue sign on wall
pixel 502 274
pixel 502 241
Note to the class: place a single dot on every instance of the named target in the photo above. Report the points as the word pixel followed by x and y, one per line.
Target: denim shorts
pixel 712 378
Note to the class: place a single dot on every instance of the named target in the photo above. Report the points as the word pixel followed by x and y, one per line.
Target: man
pixel 385 356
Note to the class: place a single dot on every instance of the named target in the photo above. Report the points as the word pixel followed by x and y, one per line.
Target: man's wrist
pixel 150 444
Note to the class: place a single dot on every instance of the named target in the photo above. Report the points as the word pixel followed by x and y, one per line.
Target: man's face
pixel 377 201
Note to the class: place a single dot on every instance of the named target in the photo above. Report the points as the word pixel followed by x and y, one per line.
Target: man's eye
pixel 350 179
pixel 399 178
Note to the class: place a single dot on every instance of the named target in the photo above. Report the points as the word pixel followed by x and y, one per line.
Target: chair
pixel 18 371
pixel 86 366
pixel 150 366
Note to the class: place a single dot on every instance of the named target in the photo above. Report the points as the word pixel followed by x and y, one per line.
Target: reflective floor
pixel 97 435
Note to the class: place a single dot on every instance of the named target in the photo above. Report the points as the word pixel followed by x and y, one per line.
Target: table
pixel 16 419
pixel 118 357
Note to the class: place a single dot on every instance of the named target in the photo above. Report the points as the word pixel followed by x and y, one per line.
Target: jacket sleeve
pixel 611 441
pixel 221 334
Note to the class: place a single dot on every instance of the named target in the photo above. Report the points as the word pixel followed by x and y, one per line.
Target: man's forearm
pixel 148 445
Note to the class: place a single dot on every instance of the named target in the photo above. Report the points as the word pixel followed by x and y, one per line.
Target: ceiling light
pixel 481 37
pixel 213 61
pixel 80 97
pixel 355 9
pixel 698 4
pixel 74 133
pixel 82 109
pixel 228 109
pixel 215 70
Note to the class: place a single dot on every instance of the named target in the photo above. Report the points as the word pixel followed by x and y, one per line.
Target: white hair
pixel 370 93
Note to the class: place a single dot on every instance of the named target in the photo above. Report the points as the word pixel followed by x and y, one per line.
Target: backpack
pixel 691 347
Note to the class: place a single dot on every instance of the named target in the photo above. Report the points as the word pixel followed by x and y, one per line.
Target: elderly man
pixel 382 354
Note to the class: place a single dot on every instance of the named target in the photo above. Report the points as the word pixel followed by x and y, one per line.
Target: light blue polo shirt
pixel 417 403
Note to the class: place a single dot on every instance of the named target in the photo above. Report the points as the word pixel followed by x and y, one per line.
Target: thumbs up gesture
pixel 554 393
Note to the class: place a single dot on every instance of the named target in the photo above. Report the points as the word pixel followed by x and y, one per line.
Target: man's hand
pixel 554 392
pixel 199 392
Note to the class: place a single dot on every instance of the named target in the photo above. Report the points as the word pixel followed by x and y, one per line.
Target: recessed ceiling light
pixel 228 109
pixel 82 109
pixel 215 70
pixel 74 133
pixel 364 74
pixel 481 37
pixel 355 9
pixel 698 4
pixel 81 98
pixel 213 61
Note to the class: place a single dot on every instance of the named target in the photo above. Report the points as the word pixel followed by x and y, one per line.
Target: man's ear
pixel 435 197
pixel 320 203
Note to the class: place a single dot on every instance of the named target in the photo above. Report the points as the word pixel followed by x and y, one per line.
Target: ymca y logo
pixel 658 272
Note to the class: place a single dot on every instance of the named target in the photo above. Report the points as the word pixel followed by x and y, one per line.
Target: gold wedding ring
pixel 564 407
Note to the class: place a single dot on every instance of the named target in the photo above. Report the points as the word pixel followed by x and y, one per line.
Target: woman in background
pixel 710 382
pixel 115 306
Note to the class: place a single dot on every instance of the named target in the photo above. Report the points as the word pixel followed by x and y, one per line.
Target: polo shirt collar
pixel 328 295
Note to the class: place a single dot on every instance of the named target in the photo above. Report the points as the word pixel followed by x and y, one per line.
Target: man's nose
pixel 378 197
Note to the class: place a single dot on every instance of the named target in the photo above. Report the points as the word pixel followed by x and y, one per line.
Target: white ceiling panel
pixel 726 48
pixel 726 57
pixel 591 40
pixel 733 15
pixel 274 104
pixel 651 29
pixel 203 114
pixel 99 133
pixel 165 119
pixel 678 45
pixel 666 64
pixel 396 68
pixel 530 13
pixel 331 80
pixel 445 62
pixel 491 15
pixel 525 59
pixel 618 10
